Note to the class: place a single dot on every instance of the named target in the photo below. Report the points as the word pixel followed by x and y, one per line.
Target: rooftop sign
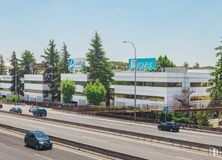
pixel 142 64
pixel 76 63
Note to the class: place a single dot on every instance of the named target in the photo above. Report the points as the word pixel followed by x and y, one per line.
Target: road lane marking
pixel 36 126
pixel 184 158
pixel 39 155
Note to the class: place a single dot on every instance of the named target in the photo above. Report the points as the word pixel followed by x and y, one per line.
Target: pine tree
pixel 15 72
pixel 99 67
pixel 64 60
pixel 215 89
pixel 3 69
pixel 51 73
pixel 27 60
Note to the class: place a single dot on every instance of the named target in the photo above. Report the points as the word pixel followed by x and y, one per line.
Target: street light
pixel 131 43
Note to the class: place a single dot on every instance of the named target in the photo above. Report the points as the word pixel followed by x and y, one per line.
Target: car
pixel 32 108
pixel 169 126
pixel 1 106
pixel 16 109
pixel 38 140
pixel 39 112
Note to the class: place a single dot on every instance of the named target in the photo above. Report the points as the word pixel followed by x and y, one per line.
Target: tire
pixel 26 144
pixel 37 147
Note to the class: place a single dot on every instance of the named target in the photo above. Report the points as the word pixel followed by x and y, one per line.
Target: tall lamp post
pixel 131 43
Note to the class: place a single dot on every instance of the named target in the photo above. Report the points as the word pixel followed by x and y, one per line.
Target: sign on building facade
pixel 142 64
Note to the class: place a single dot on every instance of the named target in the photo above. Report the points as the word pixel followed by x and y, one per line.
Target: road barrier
pixel 82 146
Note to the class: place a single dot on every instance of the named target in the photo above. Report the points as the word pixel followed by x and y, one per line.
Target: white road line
pixel 35 126
pixel 43 156
pixel 184 158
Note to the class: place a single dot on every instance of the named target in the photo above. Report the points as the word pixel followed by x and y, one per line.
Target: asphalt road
pixel 192 136
pixel 12 148
pixel 129 146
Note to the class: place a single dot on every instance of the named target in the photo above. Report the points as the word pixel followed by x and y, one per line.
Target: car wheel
pixel 26 144
pixel 37 147
pixel 171 130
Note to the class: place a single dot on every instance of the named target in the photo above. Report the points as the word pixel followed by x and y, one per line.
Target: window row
pixel 141 97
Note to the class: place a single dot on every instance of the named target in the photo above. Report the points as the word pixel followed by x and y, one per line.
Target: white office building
pixel 5 85
pixel 80 81
pixel 33 87
pixel 159 89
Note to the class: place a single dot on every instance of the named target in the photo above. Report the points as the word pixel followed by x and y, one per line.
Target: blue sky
pixel 185 30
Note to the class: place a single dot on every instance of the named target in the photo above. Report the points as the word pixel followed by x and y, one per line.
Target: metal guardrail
pixel 181 143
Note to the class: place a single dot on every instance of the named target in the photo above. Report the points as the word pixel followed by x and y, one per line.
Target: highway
pixel 192 136
pixel 12 148
pixel 140 148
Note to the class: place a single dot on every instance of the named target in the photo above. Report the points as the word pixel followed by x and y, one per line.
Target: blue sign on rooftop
pixel 143 64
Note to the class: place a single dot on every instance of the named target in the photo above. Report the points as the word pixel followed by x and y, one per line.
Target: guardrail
pixel 103 151
pixel 181 143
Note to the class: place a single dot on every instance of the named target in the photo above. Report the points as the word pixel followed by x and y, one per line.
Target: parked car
pixel 39 112
pixel 38 140
pixel 169 126
pixel 32 108
pixel 1 106
pixel 16 109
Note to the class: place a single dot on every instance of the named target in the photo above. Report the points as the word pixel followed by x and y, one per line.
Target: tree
pixel 196 66
pixel 116 65
pixel 215 83
pixel 3 70
pixel 67 88
pixel 95 92
pixel 64 60
pixel 99 67
pixel 164 61
pixel 185 64
pixel 15 72
pixel 27 62
pixel 51 73
pixel 203 118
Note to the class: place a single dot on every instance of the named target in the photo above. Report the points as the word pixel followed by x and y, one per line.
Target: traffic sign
pixel 165 109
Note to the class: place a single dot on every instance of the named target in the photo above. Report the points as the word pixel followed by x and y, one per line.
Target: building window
pixel 150 84
pixel 199 98
pixel 34 82
pixel 141 97
pixel 198 84
pixel 33 91
pixel 1 81
pixel 4 89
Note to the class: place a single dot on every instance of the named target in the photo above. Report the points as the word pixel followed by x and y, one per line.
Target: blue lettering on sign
pixel 71 64
pixel 143 64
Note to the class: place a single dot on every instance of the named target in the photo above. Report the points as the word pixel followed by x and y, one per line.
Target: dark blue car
pixel 38 140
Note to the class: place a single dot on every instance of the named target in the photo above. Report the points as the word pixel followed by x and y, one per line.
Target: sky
pixel 184 30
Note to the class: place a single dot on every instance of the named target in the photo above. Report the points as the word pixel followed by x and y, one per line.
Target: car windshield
pixel 40 135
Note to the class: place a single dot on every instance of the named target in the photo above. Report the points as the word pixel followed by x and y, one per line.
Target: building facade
pixel 80 81
pixel 5 85
pixel 33 88
pixel 159 89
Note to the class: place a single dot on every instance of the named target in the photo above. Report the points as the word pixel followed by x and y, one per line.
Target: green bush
pixel 13 98
pixel 67 88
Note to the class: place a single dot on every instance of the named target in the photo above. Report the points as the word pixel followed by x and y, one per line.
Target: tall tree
pixel 15 72
pixel 64 59
pixel 99 67
pixel 215 83
pixel 51 73
pixel 196 66
pixel 3 69
pixel 27 61
pixel 185 64
pixel 164 61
